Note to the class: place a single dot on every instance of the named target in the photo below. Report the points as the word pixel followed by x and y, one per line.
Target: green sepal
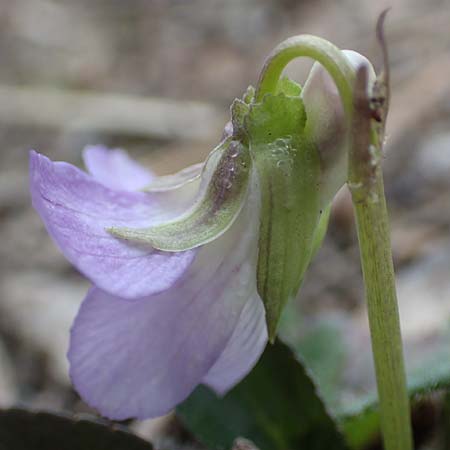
pixel 239 111
pixel 288 166
pixel 321 229
pixel 249 95
pixel 288 87
pixel 222 194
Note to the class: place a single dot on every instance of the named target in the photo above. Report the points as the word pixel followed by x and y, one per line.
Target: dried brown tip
pixel 384 75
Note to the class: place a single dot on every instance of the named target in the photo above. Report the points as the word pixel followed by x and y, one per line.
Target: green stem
pixel 319 50
pixel 376 259
pixel 366 185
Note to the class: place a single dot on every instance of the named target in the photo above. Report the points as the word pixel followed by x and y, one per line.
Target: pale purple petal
pixel 115 169
pixel 77 209
pixel 243 350
pixel 140 359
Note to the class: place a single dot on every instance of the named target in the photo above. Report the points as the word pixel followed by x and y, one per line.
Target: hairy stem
pixel 366 185
pixel 378 271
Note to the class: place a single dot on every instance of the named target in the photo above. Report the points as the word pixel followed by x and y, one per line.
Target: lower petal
pixel 242 351
pixel 140 359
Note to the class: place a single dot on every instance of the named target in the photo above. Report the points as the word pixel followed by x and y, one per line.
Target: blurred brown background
pixel 157 77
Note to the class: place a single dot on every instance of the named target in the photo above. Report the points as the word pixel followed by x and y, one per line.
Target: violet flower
pixel 179 263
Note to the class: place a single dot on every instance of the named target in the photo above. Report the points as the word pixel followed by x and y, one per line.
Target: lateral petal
pixel 77 209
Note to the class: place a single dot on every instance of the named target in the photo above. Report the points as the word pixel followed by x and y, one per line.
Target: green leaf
pixel 289 169
pixel 25 430
pixel 361 421
pixel 323 350
pixel 443 434
pixel 320 341
pixel 276 406
pixel 222 194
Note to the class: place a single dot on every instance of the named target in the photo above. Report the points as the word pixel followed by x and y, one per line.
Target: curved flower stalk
pixel 190 272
